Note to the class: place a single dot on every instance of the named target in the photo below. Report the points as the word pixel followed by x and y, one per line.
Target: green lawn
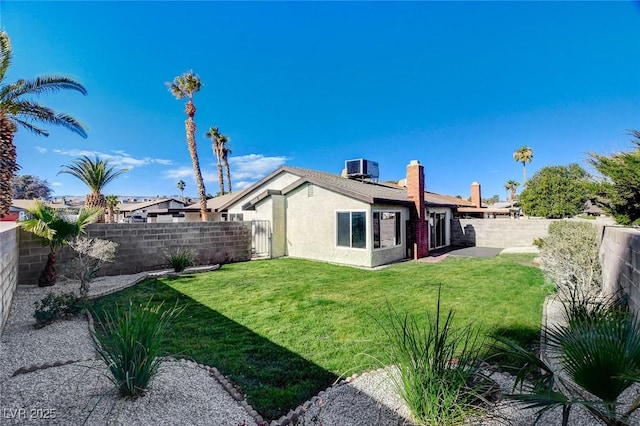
pixel 284 329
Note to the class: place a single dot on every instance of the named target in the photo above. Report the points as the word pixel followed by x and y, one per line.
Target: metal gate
pixel 260 238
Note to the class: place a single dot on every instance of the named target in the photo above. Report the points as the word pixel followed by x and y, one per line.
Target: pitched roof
pixel 367 191
pixel 126 207
pixel 213 203
pixel 23 204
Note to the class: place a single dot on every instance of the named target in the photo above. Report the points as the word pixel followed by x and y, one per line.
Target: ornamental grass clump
pixel 439 367
pixel 130 342
pixel 180 259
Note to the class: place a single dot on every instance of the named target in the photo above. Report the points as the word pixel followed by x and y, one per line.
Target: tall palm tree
pixel 185 86
pixel 511 186
pixel 523 155
pixel 96 174
pixel 181 186
pixel 225 150
pixel 214 134
pixel 112 203
pixel 55 231
pixel 18 111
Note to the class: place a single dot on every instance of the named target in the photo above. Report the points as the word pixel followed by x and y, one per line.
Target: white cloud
pixel 56 183
pixel 187 172
pixel 118 157
pixel 254 166
pixel 41 150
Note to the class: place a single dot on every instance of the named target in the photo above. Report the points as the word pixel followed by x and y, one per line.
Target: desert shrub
pixel 597 358
pixel 91 254
pixel 180 259
pixel 439 366
pixel 570 260
pixel 57 306
pixel 129 342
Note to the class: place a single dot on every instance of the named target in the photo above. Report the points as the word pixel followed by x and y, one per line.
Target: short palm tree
pixel 512 186
pixel 181 186
pixel 96 174
pixel 225 150
pixel 523 155
pixel 18 111
pixel 55 230
pixel 598 358
pixel 112 203
pixel 185 86
pixel 216 137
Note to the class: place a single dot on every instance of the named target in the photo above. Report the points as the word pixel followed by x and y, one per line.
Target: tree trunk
pixel 110 214
pixel 48 275
pixel 226 166
pixel 190 126
pixel 98 200
pixel 220 178
pixel 8 165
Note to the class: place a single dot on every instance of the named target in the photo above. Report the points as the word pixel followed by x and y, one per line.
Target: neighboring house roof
pixel 213 203
pixel 484 210
pixel 435 200
pixel 27 204
pixel 126 207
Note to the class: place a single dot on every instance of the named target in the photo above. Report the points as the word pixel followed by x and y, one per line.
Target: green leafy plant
pixel 180 259
pixel 57 306
pixel 55 230
pixel 129 342
pixel 598 358
pixel 439 366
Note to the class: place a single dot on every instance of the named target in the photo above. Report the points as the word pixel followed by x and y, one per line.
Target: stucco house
pixel 148 210
pixel 192 211
pixel 350 220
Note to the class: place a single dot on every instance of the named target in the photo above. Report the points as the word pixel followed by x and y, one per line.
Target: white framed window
pixel 351 229
pixel 387 231
pixel 235 217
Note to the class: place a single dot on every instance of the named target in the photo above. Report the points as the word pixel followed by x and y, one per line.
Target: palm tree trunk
pixel 8 165
pixel 220 178
pixel 110 214
pixel 96 200
pixel 226 166
pixel 48 275
pixel 190 126
pixel 524 173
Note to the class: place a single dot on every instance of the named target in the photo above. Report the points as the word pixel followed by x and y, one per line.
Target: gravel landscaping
pixel 52 376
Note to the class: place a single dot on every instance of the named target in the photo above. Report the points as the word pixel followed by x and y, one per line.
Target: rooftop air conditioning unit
pixel 361 168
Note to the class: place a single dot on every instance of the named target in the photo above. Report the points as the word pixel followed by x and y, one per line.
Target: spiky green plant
pixel 17 109
pixel 130 342
pixel 55 230
pixel 439 366
pixel 597 358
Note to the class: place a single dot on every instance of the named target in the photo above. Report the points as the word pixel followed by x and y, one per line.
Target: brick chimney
pixel 476 195
pixel 417 222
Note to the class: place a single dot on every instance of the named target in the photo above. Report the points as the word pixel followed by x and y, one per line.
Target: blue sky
pixel 456 85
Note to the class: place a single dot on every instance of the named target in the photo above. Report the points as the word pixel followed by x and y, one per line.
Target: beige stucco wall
pixel 311 228
pixel 277 183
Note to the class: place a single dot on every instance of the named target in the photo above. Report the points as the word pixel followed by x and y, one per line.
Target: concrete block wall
pixel 142 246
pixel 499 233
pixel 8 268
pixel 620 259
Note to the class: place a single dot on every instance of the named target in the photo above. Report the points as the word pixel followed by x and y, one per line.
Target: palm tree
pixel 185 86
pixel 181 186
pixel 55 231
pixel 511 186
pixel 96 174
pixel 225 150
pixel 16 111
pixel 523 155
pixel 216 137
pixel 112 203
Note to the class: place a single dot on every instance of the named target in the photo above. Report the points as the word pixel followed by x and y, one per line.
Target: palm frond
pixel 29 126
pixel 95 173
pixel 31 111
pixel 41 85
pixel 185 85
pixel 5 54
